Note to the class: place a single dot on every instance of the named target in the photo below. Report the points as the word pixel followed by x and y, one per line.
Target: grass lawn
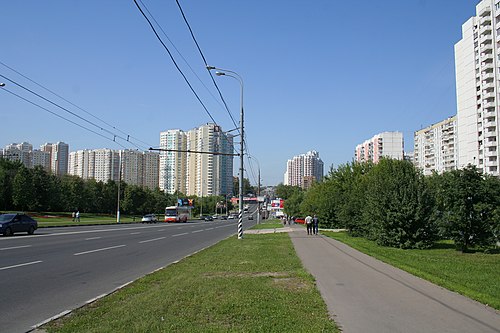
pixel 268 224
pixel 475 275
pixel 256 284
pixel 65 219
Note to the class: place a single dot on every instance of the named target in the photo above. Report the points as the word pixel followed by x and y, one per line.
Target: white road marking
pixel 92 238
pixel 97 250
pixel 209 229
pixel 20 265
pixel 14 247
pixel 151 240
pixel 135 233
pixel 196 231
pixel 184 233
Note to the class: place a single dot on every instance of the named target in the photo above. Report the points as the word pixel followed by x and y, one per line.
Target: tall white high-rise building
pixel 173 163
pixel 304 169
pixel 386 144
pixel 59 157
pixel 477 81
pixel 435 147
pixel 104 165
pixel 207 173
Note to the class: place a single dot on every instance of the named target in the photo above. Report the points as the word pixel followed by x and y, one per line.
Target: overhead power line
pixel 64 109
pixel 205 61
pixel 173 60
pixel 58 115
pixel 73 104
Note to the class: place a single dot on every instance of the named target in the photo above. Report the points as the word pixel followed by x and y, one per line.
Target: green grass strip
pixel 256 284
pixel 268 224
pixel 475 275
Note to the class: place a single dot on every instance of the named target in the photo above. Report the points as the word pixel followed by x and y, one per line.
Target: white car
pixel 149 218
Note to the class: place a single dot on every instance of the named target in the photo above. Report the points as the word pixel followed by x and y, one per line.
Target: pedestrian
pixel 73 216
pixel 77 215
pixel 309 224
pixel 315 223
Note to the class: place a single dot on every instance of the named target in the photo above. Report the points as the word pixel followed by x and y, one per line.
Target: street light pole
pixel 225 72
pixel 258 187
pixel 119 181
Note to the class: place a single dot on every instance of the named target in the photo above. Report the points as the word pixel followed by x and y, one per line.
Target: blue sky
pixel 318 75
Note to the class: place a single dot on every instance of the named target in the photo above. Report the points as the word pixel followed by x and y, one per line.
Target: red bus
pixel 177 213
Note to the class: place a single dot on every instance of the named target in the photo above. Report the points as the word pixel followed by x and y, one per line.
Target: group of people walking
pixel 312 225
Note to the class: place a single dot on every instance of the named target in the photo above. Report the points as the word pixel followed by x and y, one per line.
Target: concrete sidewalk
pixel 366 295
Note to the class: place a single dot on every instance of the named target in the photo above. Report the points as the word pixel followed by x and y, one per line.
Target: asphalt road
pixel 60 269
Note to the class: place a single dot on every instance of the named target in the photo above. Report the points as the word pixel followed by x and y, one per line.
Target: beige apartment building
pixel 199 163
pixel 386 144
pixel 131 166
pixel 303 170
pixel 436 147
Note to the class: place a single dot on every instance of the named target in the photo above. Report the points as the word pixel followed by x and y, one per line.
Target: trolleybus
pixel 177 213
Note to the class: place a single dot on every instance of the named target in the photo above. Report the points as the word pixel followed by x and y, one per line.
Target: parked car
pixel 12 223
pixel 149 218
pixel 223 217
pixel 207 218
pixel 250 217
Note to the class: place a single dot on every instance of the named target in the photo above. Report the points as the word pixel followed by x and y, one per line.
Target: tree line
pixel 36 190
pixel 394 204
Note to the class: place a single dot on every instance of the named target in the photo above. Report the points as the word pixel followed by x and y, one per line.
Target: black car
pixel 206 218
pixel 12 223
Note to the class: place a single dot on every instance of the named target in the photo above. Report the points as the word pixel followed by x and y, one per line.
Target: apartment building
pixel 24 153
pixel 386 144
pixel 131 166
pixel 173 163
pixel 436 148
pixel 59 157
pixel 195 173
pixel 302 170
pixel 477 81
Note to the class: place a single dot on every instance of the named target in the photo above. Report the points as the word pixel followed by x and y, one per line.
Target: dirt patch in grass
pixel 246 274
pixel 291 284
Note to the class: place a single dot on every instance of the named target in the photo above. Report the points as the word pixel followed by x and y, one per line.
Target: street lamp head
pixel 210 67
pixel 220 73
pixel 2 84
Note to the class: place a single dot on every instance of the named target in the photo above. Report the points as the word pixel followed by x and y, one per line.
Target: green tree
pixel 286 191
pixel 293 204
pixel 23 190
pixel 247 188
pixel 8 171
pixel 399 206
pixel 349 181
pixel 467 204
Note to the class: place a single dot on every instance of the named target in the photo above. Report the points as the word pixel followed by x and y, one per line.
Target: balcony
pixel 487 105
pixel 490 94
pixel 487 65
pixel 487 47
pixel 487 56
pixel 485 11
pixel 485 37
pixel 485 21
pixel 487 76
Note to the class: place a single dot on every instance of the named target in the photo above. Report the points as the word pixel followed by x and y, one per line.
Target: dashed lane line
pixel 21 265
pixel 98 250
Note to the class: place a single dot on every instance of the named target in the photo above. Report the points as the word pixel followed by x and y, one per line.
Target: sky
pixel 320 75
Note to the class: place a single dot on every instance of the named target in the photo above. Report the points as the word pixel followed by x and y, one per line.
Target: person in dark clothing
pixel 315 224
